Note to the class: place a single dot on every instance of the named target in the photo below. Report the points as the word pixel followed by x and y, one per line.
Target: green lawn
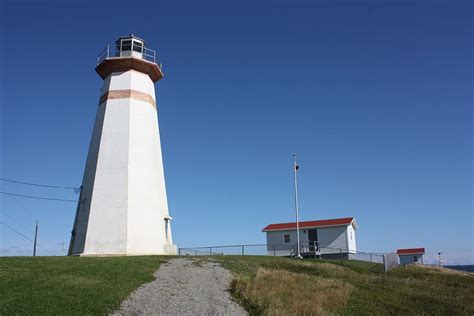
pixel 70 285
pixel 268 285
pixel 263 285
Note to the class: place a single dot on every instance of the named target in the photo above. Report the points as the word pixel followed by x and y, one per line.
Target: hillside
pixel 263 285
pixel 268 285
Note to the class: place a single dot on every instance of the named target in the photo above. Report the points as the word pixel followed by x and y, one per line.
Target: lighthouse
pixel 122 208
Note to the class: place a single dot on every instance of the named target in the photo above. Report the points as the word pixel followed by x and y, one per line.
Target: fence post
pixel 340 254
pixel 243 251
pixel 195 252
pixel 179 251
pixel 210 251
pixel 274 251
pixel 371 257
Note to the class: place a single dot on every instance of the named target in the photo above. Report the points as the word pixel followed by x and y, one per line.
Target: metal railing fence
pixel 249 249
pixel 114 51
pixel 308 250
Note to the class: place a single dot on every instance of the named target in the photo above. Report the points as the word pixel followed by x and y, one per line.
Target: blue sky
pixel 375 97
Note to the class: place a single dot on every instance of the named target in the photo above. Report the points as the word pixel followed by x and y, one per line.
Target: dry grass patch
pixel 272 285
pixel 442 270
pixel 322 266
pixel 280 292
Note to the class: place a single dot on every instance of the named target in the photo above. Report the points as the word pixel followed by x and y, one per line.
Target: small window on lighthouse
pixel 137 46
pixel 126 45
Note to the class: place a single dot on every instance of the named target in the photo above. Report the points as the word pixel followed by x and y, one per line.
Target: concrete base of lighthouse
pixel 170 250
pixel 123 208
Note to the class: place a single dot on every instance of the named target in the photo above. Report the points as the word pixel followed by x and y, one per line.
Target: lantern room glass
pixel 131 46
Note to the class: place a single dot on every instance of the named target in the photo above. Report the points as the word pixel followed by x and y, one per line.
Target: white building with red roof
pixel 328 238
pixel 411 255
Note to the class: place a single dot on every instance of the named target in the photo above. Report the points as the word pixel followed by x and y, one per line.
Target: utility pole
pixel 440 260
pixel 295 169
pixel 36 237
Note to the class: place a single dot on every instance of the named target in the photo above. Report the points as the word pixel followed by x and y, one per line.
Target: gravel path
pixel 184 287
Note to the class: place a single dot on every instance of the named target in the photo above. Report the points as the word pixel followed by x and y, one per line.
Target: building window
pixel 415 258
pixel 286 238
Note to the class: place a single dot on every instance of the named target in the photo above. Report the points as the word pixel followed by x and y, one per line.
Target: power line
pixel 39 185
pixel 37 197
pixel 16 231
pixel 23 208
pixel 18 223
pixel 13 219
pixel 24 236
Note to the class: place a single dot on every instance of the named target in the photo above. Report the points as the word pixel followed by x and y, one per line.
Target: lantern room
pixel 131 46
pixel 129 52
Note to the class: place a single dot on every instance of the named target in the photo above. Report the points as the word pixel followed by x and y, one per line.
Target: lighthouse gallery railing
pixel 114 51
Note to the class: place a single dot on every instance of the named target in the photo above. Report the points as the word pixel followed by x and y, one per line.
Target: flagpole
pixel 295 169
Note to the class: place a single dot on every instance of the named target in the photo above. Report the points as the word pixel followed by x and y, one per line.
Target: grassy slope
pixel 352 288
pixel 264 285
pixel 70 285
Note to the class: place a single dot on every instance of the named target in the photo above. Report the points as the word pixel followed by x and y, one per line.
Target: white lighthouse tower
pixel 123 209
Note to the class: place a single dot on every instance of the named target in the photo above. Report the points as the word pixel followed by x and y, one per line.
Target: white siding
pixel 409 259
pixel 331 239
pixel 276 244
pixel 351 238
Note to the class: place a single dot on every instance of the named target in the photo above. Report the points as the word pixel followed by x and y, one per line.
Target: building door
pixel 313 239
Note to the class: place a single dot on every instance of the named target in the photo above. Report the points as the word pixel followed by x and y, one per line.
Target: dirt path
pixel 184 287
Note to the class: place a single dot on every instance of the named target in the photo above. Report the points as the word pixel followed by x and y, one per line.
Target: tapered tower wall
pixel 123 207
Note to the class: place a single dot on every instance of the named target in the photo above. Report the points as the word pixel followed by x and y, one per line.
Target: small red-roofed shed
pixel 411 255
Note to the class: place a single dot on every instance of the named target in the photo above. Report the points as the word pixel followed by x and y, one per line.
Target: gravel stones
pixel 184 287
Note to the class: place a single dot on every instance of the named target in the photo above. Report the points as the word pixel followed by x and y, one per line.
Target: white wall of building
pixel 123 204
pixel 331 240
pixel 276 243
pixel 351 238
pixel 410 258
pixel 131 79
pixel 82 213
pixel 107 224
pixel 147 202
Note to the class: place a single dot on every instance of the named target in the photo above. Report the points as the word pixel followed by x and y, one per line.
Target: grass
pixel 70 285
pixel 280 286
pixel 263 285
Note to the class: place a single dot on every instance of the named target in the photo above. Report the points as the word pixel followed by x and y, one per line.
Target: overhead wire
pixel 16 231
pixel 13 219
pixel 37 197
pixel 22 207
pixel 39 185
pixel 24 236
pixel 13 195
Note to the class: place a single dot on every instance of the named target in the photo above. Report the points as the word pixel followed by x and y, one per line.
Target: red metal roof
pixel 310 224
pixel 408 251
